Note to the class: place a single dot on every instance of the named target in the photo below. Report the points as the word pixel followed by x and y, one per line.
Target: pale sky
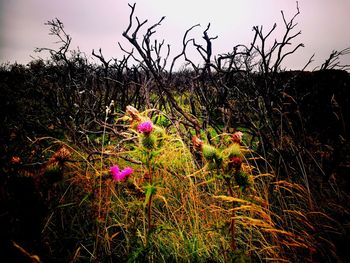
pixel 95 24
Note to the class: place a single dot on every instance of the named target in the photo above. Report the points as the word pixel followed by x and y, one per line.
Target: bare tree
pixel 268 64
pixel 333 61
pixel 150 54
pixel 57 30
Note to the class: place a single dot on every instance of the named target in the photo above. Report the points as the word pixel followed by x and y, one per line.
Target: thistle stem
pixel 149 205
pixel 149 212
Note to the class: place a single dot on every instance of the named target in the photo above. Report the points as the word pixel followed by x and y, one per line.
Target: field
pixel 236 160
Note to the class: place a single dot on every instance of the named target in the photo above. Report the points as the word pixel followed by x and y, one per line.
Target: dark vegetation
pixel 296 121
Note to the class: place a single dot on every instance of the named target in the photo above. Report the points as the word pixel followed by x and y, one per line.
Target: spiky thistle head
pixel 237 137
pixel 234 150
pixel 160 134
pixel 145 127
pixel 209 152
pixel 235 162
pixel 120 175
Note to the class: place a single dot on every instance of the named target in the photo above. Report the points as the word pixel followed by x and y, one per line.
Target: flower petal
pixel 145 127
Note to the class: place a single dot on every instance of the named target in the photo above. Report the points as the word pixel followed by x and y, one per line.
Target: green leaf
pixel 150 190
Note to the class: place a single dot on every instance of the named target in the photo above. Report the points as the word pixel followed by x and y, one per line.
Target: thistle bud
pixel 235 162
pixel 237 137
pixel 209 152
pixel 134 113
pixel 197 143
pixel 234 150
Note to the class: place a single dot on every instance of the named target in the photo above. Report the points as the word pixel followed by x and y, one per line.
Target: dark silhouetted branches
pixel 185 42
pixel 57 30
pixel 333 61
pixel 271 58
pixel 206 53
pixel 289 26
pixel 145 50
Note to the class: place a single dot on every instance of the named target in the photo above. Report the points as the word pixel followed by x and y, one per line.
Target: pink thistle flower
pixel 145 127
pixel 120 175
pixel 114 170
pixel 126 172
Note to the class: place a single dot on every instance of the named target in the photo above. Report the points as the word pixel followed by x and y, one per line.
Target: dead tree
pixel 151 61
pixel 105 71
pixel 60 55
pixel 185 42
pixel 206 53
pixel 267 63
pixel 333 61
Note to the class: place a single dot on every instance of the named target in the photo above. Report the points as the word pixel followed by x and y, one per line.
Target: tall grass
pixel 190 215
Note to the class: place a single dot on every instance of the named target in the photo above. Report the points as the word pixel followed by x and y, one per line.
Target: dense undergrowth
pixel 181 201
pixel 233 161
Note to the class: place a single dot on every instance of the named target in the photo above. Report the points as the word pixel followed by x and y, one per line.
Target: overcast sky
pixel 325 25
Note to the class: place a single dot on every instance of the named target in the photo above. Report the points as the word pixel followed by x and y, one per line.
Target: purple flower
pixel 126 172
pixel 114 169
pixel 120 175
pixel 145 127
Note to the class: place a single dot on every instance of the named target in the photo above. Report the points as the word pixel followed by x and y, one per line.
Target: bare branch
pixel 184 45
pixel 333 62
pixel 286 40
pixel 272 58
pixel 57 29
pixel 206 53
pixel 309 62
pixel 101 58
